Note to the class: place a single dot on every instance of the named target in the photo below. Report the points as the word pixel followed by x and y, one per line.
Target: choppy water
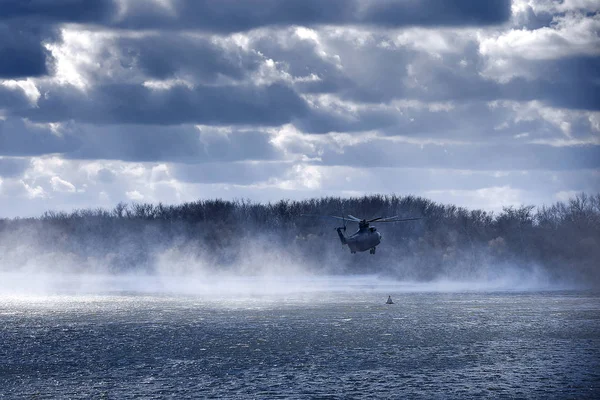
pixel 339 344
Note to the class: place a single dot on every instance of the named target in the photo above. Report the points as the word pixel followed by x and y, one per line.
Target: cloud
pixel 571 35
pixel 59 10
pixel 137 104
pixel 26 25
pixel 60 185
pixel 437 12
pixel 21 52
pixel 194 58
pixel 20 138
pixel 234 16
pixel 135 143
pixel 135 196
pixel 432 66
pixel 182 143
pixel 13 97
pixel 172 100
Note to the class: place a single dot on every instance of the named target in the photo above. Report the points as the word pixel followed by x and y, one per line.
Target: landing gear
pixel 372 250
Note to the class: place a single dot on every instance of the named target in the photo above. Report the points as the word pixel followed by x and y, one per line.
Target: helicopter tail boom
pixel 341 235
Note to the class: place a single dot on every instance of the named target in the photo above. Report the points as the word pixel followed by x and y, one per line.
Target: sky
pixel 483 104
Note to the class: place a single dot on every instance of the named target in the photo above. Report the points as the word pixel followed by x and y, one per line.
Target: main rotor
pixel 362 223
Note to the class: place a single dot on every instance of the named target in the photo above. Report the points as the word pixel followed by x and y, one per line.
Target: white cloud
pixel 567 142
pixel 134 195
pixel 556 6
pixel 60 185
pixel 23 189
pixel 75 55
pixel 508 53
pixel 160 173
pixel 435 42
pixel 561 118
pixel 572 35
pixel 27 86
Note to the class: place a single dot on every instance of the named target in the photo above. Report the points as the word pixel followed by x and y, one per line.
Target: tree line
pixel 561 241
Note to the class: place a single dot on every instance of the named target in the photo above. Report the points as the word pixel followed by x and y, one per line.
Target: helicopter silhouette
pixel 367 237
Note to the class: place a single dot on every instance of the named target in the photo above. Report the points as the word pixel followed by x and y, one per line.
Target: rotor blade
pixel 381 219
pixel 324 216
pixel 395 218
pixel 353 218
pixel 399 220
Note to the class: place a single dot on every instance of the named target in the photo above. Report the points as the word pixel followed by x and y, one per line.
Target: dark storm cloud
pixel 226 16
pixel 236 16
pixel 26 24
pixel 274 104
pixel 58 10
pixel 437 12
pixel 169 55
pixel 572 82
pixel 18 138
pixel 21 51
pixel 12 167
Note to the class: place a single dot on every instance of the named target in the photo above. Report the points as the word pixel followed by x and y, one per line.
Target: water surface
pixel 309 344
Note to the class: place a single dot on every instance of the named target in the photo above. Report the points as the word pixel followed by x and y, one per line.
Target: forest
pixel 559 242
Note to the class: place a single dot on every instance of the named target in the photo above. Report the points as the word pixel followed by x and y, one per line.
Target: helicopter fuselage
pixel 367 237
pixel 362 240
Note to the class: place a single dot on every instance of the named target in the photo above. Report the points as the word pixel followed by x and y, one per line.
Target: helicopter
pixel 367 237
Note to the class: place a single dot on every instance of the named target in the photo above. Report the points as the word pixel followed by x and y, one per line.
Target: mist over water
pixel 173 276
pixel 16 283
pixel 264 271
